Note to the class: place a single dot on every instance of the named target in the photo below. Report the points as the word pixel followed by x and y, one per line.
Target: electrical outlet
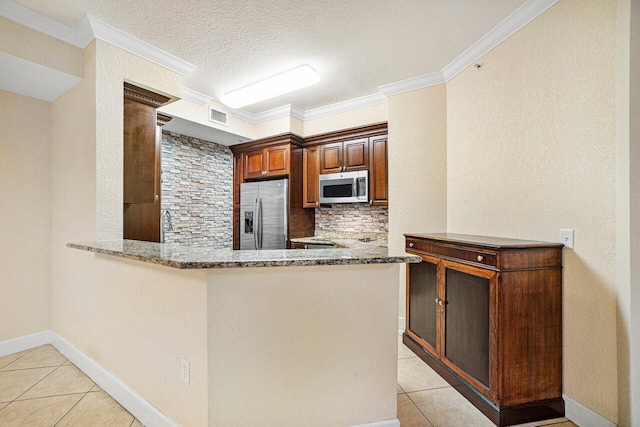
pixel 185 371
pixel 566 237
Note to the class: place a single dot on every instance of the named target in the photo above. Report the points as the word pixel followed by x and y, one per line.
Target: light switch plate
pixel 566 237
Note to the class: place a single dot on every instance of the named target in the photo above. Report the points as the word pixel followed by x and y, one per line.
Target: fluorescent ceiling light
pixel 297 78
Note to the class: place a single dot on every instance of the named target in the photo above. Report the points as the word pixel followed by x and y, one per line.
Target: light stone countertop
pixel 191 257
pixel 345 239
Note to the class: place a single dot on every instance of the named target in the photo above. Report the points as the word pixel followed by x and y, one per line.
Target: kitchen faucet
pixel 165 218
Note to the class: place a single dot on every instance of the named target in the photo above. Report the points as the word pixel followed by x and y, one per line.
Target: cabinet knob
pixel 411 245
pixel 306 246
pixel 437 300
pixel 317 204
pixel 480 257
pixel 370 202
pixel 156 197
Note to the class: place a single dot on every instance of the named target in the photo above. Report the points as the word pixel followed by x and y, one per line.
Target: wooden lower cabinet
pixel 486 314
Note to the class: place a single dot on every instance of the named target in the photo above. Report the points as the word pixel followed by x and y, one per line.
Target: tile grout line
pixel 71 409
pixel 38 382
pixel 46 397
pixel 27 352
pixel 418 408
pixel 428 389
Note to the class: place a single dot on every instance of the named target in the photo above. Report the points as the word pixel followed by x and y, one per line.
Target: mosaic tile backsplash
pixel 197 178
pixel 360 217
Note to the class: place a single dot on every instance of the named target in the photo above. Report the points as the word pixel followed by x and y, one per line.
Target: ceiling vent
pixel 217 116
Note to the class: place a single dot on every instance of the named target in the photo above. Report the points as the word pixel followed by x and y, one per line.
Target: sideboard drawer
pixel 483 257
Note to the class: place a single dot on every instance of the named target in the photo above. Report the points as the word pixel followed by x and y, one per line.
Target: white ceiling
pixel 200 131
pixel 355 45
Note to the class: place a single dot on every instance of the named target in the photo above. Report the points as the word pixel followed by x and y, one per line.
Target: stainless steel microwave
pixel 344 187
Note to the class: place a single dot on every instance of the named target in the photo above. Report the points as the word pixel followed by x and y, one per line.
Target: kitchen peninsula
pixel 302 337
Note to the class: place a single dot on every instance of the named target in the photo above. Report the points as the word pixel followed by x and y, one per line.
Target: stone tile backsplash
pixel 197 178
pixel 360 217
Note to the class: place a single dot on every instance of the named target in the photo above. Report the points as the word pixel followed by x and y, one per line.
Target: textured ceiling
pixel 355 45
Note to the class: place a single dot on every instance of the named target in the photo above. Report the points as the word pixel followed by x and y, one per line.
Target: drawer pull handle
pixel 480 257
pixel 410 245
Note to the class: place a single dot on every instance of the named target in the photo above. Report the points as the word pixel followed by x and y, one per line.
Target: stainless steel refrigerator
pixel 264 214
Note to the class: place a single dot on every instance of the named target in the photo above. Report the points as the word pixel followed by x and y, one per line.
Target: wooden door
pixel 378 171
pixel 310 175
pixel 355 155
pixel 422 294
pixel 253 164
pixel 276 160
pixel 331 158
pixel 468 310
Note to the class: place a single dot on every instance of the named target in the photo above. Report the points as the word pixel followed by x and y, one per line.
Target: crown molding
pixel 344 106
pixel 194 96
pixel 39 22
pixel 274 113
pixel 118 38
pixel 505 29
pixel 413 83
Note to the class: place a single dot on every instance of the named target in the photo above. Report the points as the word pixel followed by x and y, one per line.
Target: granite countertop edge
pixel 178 256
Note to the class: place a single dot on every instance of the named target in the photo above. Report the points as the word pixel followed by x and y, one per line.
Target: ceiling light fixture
pixel 289 81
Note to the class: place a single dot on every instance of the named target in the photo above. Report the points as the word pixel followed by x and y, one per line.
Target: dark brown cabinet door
pixel 276 160
pixel 355 155
pixel 378 171
pixel 253 165
pixel 466 341
pixel 311 172
pixel 140 153
pixel 331 158
pixel 422 307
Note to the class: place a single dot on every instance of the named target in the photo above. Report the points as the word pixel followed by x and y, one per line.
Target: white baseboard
pixel 581 415
pixel 386 423
pixel 26 342
pixel 401 322
pixel 129 399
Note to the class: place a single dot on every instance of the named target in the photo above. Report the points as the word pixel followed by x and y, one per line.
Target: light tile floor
pixel 40 387
pixel 426 400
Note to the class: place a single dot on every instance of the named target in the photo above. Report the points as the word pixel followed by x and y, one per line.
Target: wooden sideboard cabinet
pixel 486 314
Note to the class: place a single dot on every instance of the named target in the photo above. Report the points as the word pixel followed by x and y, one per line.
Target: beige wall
pixel 25 225
pixel 531 150
pixel 349 119
pixel 135 320
pixel 623 259
pixel 23 42
pixel 113 67
pixel 634 161
pixel 323 347
pixel 417 167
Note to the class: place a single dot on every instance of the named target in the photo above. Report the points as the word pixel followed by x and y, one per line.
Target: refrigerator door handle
pixel 256 223
pixel 261 224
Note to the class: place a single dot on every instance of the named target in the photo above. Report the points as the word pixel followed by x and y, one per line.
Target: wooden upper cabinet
pixel 253 164
pixel 276 160
pixel 344 156
pixel 356 155
pixel 142 138
pixel 141 149
pixel 268 162
pixel 378 171
pixel 311 172
pixel 331 158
